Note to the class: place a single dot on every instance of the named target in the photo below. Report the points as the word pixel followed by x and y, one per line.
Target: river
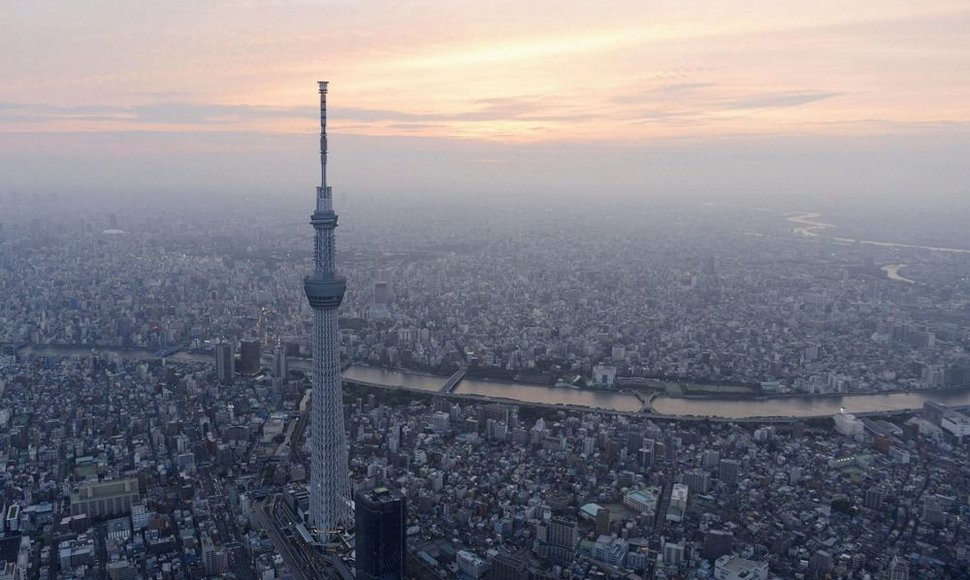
pixel 522 392
pixel 551 395
pixel 804 406
pixel 892 272
pixel 807 225
pixel 393 378
pixel 672 406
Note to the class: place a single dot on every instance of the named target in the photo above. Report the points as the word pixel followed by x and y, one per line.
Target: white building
pixel 678 502
pixel 848 425
pixel 956 423
pixel 471 564
pixel 604 375
pixel 441 422
pixel 673 553
pixel 732 567
pixel 274 426
pixel 643 501
pixel 610 550
pixel 140 516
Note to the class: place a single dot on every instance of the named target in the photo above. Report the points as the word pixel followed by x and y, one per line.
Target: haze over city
pixel 620 290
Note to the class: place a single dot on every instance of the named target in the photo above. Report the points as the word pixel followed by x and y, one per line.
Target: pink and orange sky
pixel 158 81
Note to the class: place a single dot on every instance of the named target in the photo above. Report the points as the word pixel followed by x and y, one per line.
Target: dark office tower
pixel 381 515
pixel 728 470
pixel 280 368
pixel 292 348
pixel 820 564
pixel 603 521
pixel 875 498
pixel 225 363
pixel 646 454
pixel 249 357
pixel 509 567
pixel 717 543
pixel 710 266
pixel 934 412
pixel 957 374
pixel 382 295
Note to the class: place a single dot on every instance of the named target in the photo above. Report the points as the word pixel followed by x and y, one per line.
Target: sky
pixel 788 101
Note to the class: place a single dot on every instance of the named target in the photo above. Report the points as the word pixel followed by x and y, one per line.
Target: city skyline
pixel 602 355
pixel 626 290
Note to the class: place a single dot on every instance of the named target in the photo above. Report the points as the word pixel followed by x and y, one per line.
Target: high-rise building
pixel 673 553
pixel 470 565
pixel 249 351
pixel 225 363
pixel 603 521
pixel 215 558
pixel 382 295
pixel 820 564
pixel 280 368
pixel 717 543
pixel 646 453
pixel 509 567
pixel 381 515
pixel 698 481
pixel 898 569
pixel 678 502
pixel 329 479
pixel 728 470
pixel 875 498
pixel 561 539
pixel 710 458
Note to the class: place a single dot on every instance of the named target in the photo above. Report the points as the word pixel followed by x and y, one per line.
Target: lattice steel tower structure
pixel 329 479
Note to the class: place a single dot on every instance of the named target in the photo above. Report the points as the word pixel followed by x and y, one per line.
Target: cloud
pixel 661 91
pixel 529 108
pixel 207 114
pixel 155 113
pixel 414 127
pixel 779 100
pixel 189 113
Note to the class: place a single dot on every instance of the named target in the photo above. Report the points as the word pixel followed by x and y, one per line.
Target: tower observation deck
pixel 329 478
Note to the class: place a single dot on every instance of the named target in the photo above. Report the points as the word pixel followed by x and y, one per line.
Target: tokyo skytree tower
pixel 329 478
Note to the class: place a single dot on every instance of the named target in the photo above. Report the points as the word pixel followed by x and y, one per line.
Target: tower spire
pixel 329 478
pixel 323 194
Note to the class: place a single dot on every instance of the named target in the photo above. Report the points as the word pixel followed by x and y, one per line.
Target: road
pixel 295 560
pixel 222 514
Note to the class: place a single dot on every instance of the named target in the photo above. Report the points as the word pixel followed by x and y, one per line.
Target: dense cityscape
pixel 709 295
pixel 544 290
pixel 156 396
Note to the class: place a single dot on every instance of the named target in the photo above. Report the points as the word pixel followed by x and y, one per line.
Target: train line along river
pixel 664 405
